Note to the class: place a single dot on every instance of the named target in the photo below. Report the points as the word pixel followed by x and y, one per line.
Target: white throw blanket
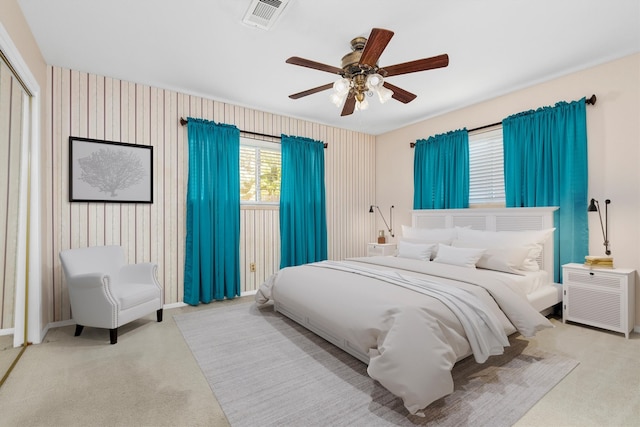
pixel 513 304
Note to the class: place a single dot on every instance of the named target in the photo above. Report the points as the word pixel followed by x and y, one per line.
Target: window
pixel 486 168
pixel 260 171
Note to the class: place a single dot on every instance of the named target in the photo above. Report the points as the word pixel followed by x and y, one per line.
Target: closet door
pixel 13 100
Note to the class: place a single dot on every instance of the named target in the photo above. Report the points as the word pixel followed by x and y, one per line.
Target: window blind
pixel 486 168
pixel 260 171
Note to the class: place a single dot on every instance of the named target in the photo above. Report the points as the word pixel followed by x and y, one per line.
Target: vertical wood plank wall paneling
pixel 91 106
pixel 11 107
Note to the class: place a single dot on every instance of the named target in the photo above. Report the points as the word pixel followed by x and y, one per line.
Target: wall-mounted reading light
pixel 385 221
pixel 594 206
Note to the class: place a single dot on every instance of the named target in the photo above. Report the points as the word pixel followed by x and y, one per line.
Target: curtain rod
pixel 591 100
pixel 184 122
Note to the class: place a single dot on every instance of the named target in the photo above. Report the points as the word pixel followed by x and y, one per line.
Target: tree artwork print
pixel 105 171
pixel 111 170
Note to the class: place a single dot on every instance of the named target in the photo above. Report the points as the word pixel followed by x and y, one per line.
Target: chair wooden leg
pixel 113 333
pixel 78 330
pixel 159 315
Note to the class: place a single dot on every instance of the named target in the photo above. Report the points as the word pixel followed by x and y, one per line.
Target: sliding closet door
pixel 13 101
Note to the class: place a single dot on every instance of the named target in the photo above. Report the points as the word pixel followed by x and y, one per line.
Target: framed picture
pixel 106 171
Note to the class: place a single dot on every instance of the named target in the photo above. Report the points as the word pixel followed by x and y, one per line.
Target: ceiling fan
pixel 361 75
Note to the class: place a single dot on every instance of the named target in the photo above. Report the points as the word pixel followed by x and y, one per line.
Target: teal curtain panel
pixel 545 164
pixel 441 171
pixel 303 213
pixel 212 250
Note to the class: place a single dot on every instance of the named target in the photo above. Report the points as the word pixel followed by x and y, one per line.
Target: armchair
pixel 107 293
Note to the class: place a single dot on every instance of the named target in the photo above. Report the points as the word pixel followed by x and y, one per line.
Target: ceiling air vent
pixel 264 13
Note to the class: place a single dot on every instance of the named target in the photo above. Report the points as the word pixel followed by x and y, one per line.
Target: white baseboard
pixel 72 322
pixel 8 331
pixel 182 304
pixel 60 324
pixel 174 305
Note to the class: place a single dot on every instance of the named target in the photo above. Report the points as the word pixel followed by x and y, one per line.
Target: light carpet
pixel 267 370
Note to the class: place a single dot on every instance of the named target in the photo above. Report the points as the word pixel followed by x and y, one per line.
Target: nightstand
pixel 381 249
pixel 604 298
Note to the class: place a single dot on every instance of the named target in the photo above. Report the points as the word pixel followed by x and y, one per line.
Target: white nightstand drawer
pixel 604 298
pixel 600 279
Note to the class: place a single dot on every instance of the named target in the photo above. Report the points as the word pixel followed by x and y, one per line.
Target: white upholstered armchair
pixel 107 293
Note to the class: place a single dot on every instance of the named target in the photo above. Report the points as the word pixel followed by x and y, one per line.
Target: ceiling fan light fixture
pixel 337 98
pixel 374 81
pixel 342 86
pixel 384 94
pixel 362 105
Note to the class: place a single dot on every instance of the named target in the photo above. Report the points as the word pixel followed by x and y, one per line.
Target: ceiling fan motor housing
pixel 351 61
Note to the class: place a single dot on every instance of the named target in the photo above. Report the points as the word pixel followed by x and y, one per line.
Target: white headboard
pixel 493 219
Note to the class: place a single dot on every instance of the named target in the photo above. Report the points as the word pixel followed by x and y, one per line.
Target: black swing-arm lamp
pixel 594 206
pixel 385 221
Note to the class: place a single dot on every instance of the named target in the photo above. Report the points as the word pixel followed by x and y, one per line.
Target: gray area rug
pixel 266 370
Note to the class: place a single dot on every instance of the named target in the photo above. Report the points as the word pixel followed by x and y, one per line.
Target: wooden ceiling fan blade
pixel 311 91
pixel 349 106
pixel 418 65
pixel 400 94
pixel 376 43
pixel 295 60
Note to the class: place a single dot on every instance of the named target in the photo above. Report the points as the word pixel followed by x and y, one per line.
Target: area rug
pixel 266 370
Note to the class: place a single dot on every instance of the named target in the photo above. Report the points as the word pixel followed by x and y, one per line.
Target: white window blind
pixel 260 171
pixel 486 168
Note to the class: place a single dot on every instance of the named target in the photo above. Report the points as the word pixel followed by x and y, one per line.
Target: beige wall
pixel 613 128
pixel 15 24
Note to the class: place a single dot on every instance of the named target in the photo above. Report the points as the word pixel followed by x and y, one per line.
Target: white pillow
pixel 524 236
pixel 432 235
pixel 421 251
pixel 507 259
pixel 464 257
pixel 429 236
pixel 532 238
pixel 531 263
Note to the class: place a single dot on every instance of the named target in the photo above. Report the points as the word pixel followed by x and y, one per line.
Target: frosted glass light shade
pixel 384 94
pixel 342 86
pixel 337 98
pixel 362 105
pixel 374 81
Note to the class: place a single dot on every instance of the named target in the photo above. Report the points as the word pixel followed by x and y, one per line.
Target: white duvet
pixel 413 319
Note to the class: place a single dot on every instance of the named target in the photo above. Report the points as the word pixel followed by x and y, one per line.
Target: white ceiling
pixel 201 47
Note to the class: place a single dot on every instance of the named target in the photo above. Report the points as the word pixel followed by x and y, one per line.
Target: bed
pixel 458 286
